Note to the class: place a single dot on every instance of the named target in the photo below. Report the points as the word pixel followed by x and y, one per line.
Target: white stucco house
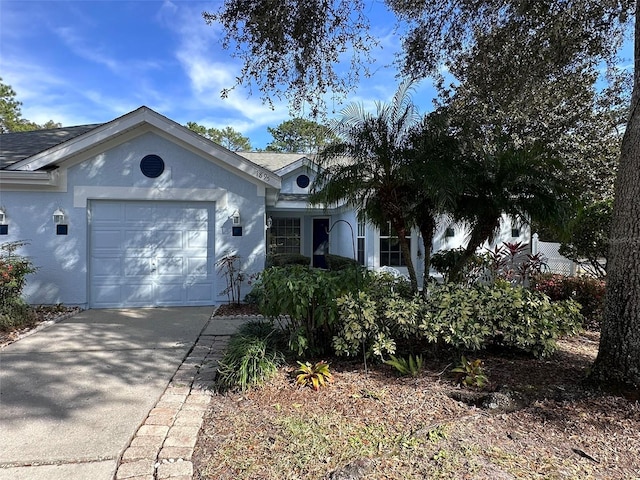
pixel 137 211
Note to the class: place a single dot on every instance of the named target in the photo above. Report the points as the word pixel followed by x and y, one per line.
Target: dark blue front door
pixel 320 241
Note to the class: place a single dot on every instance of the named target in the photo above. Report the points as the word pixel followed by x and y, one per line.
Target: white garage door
pixel 147 253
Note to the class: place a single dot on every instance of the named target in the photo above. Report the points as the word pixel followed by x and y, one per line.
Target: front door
pixel 320 242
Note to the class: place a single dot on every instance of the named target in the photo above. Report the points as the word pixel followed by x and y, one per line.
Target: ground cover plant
pixel 535 418
pixel 480 381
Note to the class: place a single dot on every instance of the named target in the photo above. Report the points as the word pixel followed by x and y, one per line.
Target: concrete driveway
pixel 73 395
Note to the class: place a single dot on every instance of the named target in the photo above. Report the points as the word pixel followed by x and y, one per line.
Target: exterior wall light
pixel 269 222
pixel 58 217
pixel 235 218
pixel 4 228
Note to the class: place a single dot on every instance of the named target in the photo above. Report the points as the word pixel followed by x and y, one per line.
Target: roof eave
pixel 8 177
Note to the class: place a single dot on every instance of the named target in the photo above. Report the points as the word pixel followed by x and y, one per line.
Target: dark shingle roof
pixel 17 146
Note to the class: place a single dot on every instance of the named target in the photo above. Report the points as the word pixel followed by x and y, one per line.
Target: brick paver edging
pixel 163 446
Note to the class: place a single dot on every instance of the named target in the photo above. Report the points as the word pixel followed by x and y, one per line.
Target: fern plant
pixel 406 366
pixel 314 376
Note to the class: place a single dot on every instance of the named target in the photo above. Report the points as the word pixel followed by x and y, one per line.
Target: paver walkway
pixel 74 396
pixel 163 446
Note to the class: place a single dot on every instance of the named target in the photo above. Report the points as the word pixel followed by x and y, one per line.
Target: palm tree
pixel 525 183
pixel 367 166
pixel 434 174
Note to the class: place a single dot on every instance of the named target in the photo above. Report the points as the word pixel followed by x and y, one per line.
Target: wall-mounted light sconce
pixel 269 222
pixel 235 218
pixel 58 217
pixel 4 228
pixel 449 232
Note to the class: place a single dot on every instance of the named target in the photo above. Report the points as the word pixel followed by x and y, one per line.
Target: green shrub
pixel 370 321
pixel 283 259
pixel 445 261
pixel 13 272
pixel 470 373
pixel 587 291
pixel 360 327
pixel 306 298
pixel 472 318
pixel 336 262
pixel 252 357
pixel 455 316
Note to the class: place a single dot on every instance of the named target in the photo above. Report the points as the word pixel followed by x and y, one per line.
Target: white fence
pixel 556 263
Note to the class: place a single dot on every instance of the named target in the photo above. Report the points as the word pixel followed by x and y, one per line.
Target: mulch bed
pixel 536 419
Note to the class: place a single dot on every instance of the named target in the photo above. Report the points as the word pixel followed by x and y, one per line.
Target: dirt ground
pixel 536 419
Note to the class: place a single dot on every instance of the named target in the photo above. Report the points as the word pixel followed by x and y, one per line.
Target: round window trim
pixel 303 181
pixel 152 166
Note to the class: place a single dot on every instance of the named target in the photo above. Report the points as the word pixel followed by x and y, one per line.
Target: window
pixel 390 254
pixel 284 235
pixel 360 242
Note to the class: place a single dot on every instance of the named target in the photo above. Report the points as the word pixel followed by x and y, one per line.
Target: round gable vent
pixel 152 166
pixel 302 181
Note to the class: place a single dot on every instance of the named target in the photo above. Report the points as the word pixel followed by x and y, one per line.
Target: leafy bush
pixel 456 316
pixel 444 261
pixel 587 291
pixel 471 318
pixel 361 328
pixel 337 262
pixel 252 357
pixel 283 259
pixel 588 237
pixel 305 299
pixel 384 309
pixel 13 272
pixel 470 373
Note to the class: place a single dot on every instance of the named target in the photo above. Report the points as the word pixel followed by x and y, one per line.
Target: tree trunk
pixel 406 254
pixel 481 232
pixel 618 360
pixel 427 229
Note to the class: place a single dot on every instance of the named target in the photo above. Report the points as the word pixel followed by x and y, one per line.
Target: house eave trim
pixel 9 177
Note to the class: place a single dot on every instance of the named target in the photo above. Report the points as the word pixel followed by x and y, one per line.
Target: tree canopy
pixel 294 47
pixel 299 135
pixel 227 137
pixel 11 113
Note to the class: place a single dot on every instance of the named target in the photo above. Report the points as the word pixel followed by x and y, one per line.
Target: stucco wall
pixel 115 174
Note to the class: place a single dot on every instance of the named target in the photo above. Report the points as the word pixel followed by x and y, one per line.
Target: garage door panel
pixel 106 266
pixel 107 239
pixel 170 266
pixel 197 267
pixel 168 239
pixel 140 294
pixel 196 239
pixel 146 253
pixel 200 293
pixel 139 213
pixel 138 266
pixel 107 295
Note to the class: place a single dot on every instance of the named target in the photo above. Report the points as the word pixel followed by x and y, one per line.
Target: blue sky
pixel 79 62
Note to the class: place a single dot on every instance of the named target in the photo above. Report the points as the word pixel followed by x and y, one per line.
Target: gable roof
pixel 275 161
pixel 17 146
pixel 76 140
